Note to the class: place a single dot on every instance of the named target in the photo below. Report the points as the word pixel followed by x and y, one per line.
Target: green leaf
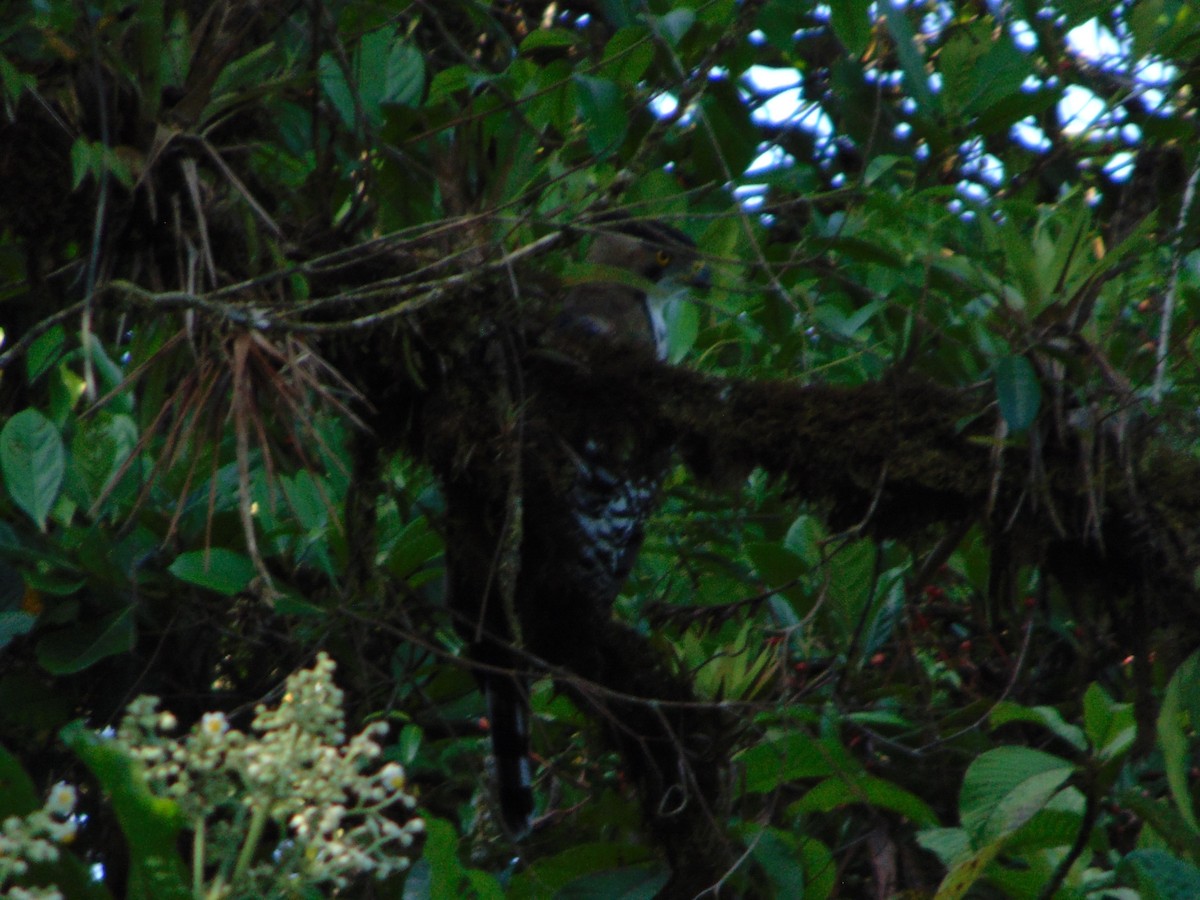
pixel 912 60
pixel 628 883
pixel 627 56
pixel 151 825
pixel 1172 738
pixel 15 81
pixel 852 582
pixel 439 874
pixel 950 845
pixel 13 624
pixel 980 67
pixel 792 757
pixel 110 374
pixel 1160 876
pixel 72 649
pixel 44 353
pixel 292 604
pixel 966 872
pixel 602 112
pixel 570 873
pixel 404 79
pixel 97 160
pixel 101 444
pixel 1047 716
pixel 833 793
pixel 778 853
pixel 548 37
pixel 224 571
pixel 1054 826
pixel 1017 391
pixel 851 22
pixel 674 25
pixel 820 870
pixel 683 327
pixel 779 20
pixel 1005 787
pixel 1111 727
pixel 33 461
pixel 17 794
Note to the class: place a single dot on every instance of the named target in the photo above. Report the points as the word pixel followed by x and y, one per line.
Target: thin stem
pixel 258 822
pixel 198 837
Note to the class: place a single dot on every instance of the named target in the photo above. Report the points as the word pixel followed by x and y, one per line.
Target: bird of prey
pixel 586 479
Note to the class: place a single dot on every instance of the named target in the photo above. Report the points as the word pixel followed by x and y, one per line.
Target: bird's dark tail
pixel 508 716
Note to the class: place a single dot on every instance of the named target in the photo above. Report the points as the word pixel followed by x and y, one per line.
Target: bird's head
pixel 634 270
pixel 651 250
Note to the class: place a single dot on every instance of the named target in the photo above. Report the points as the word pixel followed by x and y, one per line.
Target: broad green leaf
pixel 1056 825
pixel 560 872
pixel 101 444
pixel 778 852
pixel 1017 391
pixel 416 546
pixel 13 624
pixel 675 24
pixel 627 56
pixel 851 22
pixel 602 113
pixel 683 327
pixel 1005 787
pixel 1047 716
pixel 980 67
pixel 151 824
pixel 792 757
pixel 1111 727
pixel 950 845
pixel 912 59
pixel 628 883
pixel 33 461
pixel 404 81
pixel 110 375
pixel 805 537
pixel 72 649
pixel 439 874
pixel 289 603
pixel 44 352
pixel 17 794
pixel 820 869
pixel 779 20
pixel 221 570
pixel 965 873
pixel 1172 737
pixel 852 582
pixel 15 81
pixel 833 793
pixel 1161 876
pixel 248 72
pixel 780 568
pixel 549 37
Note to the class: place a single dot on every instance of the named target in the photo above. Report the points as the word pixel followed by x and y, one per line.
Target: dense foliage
pixel 933 537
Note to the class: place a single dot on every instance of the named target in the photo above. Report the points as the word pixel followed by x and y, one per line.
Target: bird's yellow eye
pixel 663 258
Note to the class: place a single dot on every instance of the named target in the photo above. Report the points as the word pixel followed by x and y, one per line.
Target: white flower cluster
pixel 33 838
pixel 296 770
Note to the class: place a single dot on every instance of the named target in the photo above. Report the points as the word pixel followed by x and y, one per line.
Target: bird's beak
pixel 700 275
